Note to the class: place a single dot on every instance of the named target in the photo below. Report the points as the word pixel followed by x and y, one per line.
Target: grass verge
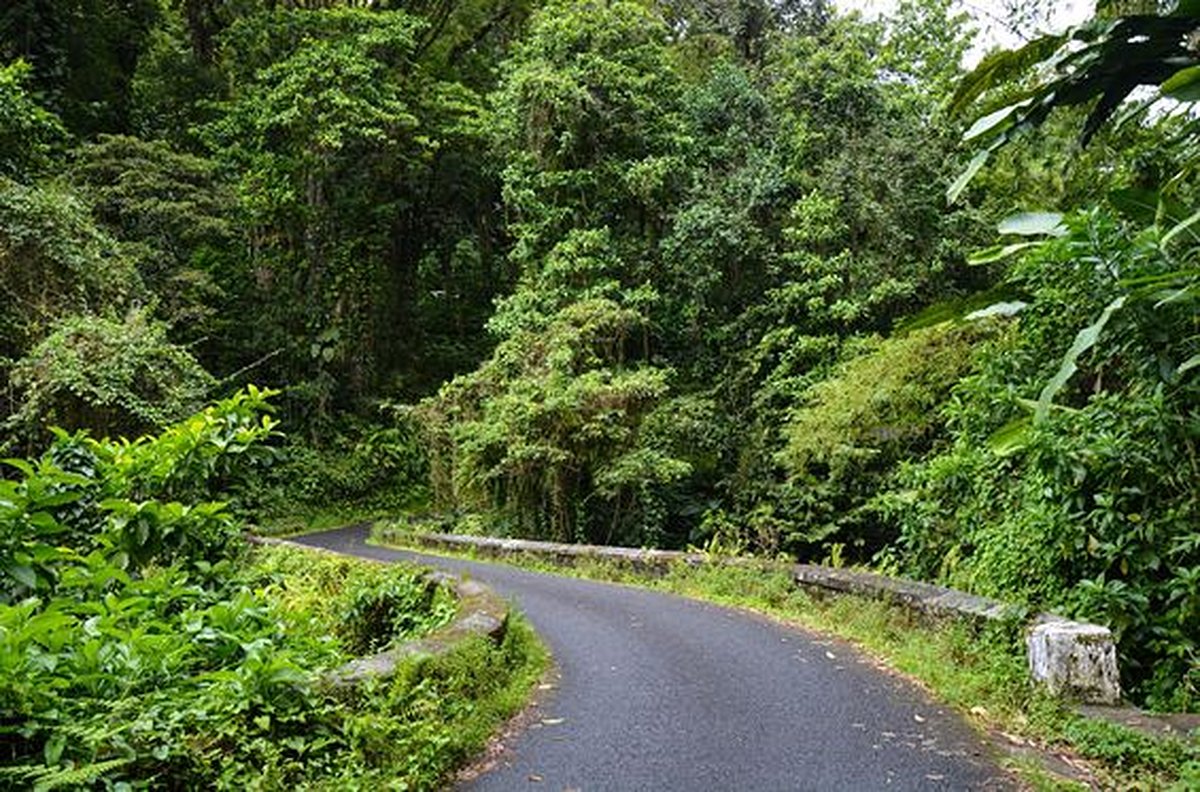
pixel 977 669
pixel 413 730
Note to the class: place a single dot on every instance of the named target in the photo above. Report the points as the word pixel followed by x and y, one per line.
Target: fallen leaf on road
pixel 534 777
pixel 918 718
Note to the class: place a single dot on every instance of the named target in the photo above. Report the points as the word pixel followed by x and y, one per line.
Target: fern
pixel 45 778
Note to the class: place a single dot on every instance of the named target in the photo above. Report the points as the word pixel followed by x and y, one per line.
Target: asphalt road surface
pixel 658 692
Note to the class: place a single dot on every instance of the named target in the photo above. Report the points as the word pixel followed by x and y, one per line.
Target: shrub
pixel 140 647
pixel 110 376
pixel 877 407
pixel 1090 507
pixel 359 464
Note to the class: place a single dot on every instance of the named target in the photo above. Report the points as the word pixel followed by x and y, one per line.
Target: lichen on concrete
pixel 1075 660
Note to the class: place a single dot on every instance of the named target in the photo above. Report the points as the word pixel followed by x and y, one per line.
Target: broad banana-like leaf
pixel 1005 309
pixel 991 302
pixel 992 120
pixel 1184 85
pixel 964 178
pixel 1110 57
pixel 1084 340
pixel 1180 228
pixel 1002 67
pixel 991 255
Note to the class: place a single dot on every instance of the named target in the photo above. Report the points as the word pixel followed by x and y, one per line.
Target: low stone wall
pixel 1071 659
pixel 480 614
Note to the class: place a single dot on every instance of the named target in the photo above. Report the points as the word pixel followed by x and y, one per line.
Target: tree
pixel 83 53
pixel 587 123
pixel 54 262
pixel 108 376
pixel 327 138
pixel 173 213
pixel 29 134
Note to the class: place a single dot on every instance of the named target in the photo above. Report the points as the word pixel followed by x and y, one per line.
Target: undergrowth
pixel 143 645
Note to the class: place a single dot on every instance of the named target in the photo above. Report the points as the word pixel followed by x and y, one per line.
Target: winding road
pixel 658 692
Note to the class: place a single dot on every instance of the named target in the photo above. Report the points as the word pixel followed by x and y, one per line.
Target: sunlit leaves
pixel 1033 224
pixel 28 132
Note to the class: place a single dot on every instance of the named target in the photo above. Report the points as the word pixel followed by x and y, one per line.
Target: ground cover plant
pixel 144 645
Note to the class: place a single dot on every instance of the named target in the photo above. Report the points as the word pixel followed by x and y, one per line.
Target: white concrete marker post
pixel 1075 660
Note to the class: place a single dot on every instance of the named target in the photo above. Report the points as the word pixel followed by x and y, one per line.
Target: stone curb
pixel 480 614
pixel 1072 659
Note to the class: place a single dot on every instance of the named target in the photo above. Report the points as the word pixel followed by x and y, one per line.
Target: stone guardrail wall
pixel 1072 659
pixel 481 613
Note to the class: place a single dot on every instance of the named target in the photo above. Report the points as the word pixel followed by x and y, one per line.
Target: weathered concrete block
pixel 1075 660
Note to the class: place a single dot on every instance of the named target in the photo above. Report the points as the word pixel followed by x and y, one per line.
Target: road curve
pixel 659 692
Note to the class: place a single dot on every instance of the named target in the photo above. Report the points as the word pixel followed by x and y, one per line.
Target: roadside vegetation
pixel 144 645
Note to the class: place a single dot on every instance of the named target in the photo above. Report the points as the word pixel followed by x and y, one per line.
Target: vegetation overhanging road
pixel 661 692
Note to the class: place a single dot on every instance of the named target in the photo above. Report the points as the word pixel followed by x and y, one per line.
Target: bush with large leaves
pixel 1082 493
pixel 139 646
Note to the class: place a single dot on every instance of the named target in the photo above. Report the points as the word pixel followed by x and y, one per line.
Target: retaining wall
pixel 481 613
pixel 1072 659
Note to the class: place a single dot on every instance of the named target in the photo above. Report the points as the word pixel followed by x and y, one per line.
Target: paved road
pixel 659 692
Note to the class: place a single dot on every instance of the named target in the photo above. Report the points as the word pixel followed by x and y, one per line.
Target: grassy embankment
pixel 436 713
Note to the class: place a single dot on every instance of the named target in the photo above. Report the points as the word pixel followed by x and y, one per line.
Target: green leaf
pixel 1188 364
pixel 1136 203
pixel 19 464
pixel 1033 224
pixel 23 574
pixel 1005 309
pixel 1011 437
pixel 58 499
pixel 1180 228
pixel 996 253
pixel 54 748
pixel 1183 85
pixel 992 120
pixel 1001 68
pixel 1084 340
pixel 964 178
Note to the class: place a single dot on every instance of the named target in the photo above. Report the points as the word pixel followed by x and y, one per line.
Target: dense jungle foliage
pixel 652 272
pixel 142 645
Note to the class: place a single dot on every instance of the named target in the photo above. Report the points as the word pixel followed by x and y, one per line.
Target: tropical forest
pixel 912 288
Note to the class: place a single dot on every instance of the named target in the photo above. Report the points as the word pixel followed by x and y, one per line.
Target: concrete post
pixel 1075 660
